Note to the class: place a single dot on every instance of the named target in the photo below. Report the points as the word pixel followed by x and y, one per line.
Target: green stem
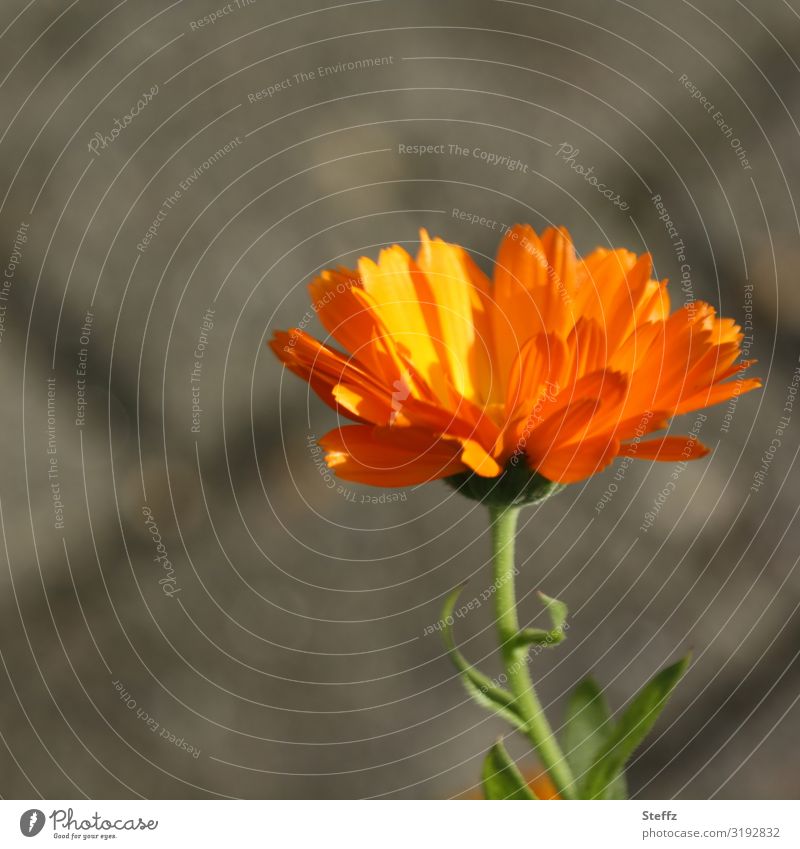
pixel 515 660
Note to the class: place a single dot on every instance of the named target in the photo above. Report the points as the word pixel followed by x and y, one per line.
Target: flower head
pixel 544 374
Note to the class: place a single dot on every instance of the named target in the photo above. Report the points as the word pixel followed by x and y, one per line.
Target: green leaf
pixel 587 727
pixel 630 731
pixel 479 686
pixel 501 778
pixel 557 611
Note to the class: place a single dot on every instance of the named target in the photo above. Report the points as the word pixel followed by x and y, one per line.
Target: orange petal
pixel 406 307
pixel 662 375
pixel 387 456
pixel 542 361
pixel 461 293
pixel 665 449
pixel 600 277
pixel 630 354
pixel 349 315
pixel 362 403
pixel 479 460
pixel 339 312
pixel 561 287
pixel 640 424
pixel 604 388
pixel 521 291
pixel 361 398
pixel 588 346
pixel 579 461
pixel 711 395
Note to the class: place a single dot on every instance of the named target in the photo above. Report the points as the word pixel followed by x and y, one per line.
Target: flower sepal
pixel 516 486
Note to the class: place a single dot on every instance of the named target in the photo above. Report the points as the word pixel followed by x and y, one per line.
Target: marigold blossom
pixel 555 366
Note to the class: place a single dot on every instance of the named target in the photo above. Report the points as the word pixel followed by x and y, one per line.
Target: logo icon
pixel 31 822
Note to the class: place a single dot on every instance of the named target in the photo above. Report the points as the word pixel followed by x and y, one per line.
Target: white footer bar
pixel 390 824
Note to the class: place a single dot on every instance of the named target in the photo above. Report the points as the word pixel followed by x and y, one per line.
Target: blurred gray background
pixel 287 657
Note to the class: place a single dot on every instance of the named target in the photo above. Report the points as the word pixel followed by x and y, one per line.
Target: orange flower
pixel 553 368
